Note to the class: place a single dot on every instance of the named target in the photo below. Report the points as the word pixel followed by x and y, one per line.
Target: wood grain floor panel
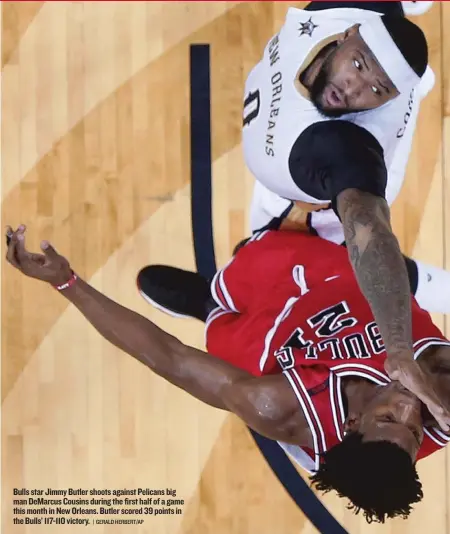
pixel 95 157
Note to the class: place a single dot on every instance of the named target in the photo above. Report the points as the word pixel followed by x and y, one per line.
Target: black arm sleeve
pixel 332 156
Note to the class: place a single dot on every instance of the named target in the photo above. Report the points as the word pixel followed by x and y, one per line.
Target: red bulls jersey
pixel 290 303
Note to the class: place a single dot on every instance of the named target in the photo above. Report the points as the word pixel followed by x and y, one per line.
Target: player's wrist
pixel 65 281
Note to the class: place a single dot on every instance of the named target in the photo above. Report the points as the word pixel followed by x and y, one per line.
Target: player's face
pixel 350 79
pixel 394 414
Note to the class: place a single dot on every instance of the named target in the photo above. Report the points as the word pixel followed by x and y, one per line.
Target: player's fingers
pixel 443 422
pixel 9 233
pixel 418 384
pixel 445 425
pixel 11 254
pixel 436 408
pixel 21 229
pixel 428 396
pixel 49 251
pixel 21 251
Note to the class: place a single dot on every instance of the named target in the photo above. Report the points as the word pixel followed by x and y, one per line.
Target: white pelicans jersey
pixel 277 112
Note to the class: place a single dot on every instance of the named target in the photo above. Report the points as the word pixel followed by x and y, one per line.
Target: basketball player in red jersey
pixel 294 351
pixel 347 171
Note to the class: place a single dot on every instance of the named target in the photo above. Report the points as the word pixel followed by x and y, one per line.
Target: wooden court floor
pixel 95 158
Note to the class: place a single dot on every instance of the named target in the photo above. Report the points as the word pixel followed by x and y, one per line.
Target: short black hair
pixel 377 477
pixel 410 40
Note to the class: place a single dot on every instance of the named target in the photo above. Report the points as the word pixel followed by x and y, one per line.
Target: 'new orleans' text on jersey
pixel 277 88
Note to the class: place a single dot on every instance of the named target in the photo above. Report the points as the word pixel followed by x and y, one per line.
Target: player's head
pixel 374 465
pixel 370 64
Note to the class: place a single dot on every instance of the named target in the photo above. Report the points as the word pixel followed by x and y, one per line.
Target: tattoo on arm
pixel 379 266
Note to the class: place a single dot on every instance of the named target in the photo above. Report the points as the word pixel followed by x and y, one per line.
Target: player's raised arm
pixel 344 163
pixel 379 266
pixel 266 404
pixel 347 166
pixel 382 276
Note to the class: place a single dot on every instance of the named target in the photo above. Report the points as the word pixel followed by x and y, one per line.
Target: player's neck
pixel 357 392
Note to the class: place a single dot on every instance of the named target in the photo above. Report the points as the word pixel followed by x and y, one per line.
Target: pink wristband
pixel 69 282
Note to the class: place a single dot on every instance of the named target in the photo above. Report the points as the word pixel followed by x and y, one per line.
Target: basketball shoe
pixel 177 292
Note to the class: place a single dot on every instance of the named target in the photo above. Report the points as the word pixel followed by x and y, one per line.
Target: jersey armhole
pixel 310 413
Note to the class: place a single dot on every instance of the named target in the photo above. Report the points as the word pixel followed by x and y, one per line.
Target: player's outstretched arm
pixel 266 404
pixel 379 266
pixel 382 276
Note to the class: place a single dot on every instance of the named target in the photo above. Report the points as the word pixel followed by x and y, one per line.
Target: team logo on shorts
pixel 307 28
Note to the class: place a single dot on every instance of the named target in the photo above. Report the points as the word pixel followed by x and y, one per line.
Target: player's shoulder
pixel 338 137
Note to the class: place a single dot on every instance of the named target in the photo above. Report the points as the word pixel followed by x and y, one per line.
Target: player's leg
pixel 177 292
pixel 429 285
pixel 183 294
pixel 261 265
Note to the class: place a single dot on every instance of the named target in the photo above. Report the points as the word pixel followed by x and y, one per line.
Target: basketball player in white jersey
pixel 303 161
pixel 324 113
pixel 344 61
pixel 291 179
pixel 293 350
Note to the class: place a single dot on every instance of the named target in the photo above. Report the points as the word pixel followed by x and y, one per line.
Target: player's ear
pixel 349 32
pixel 352 423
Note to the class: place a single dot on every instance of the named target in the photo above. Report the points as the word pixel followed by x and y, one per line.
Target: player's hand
pixel 49 267
pixel 412 377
